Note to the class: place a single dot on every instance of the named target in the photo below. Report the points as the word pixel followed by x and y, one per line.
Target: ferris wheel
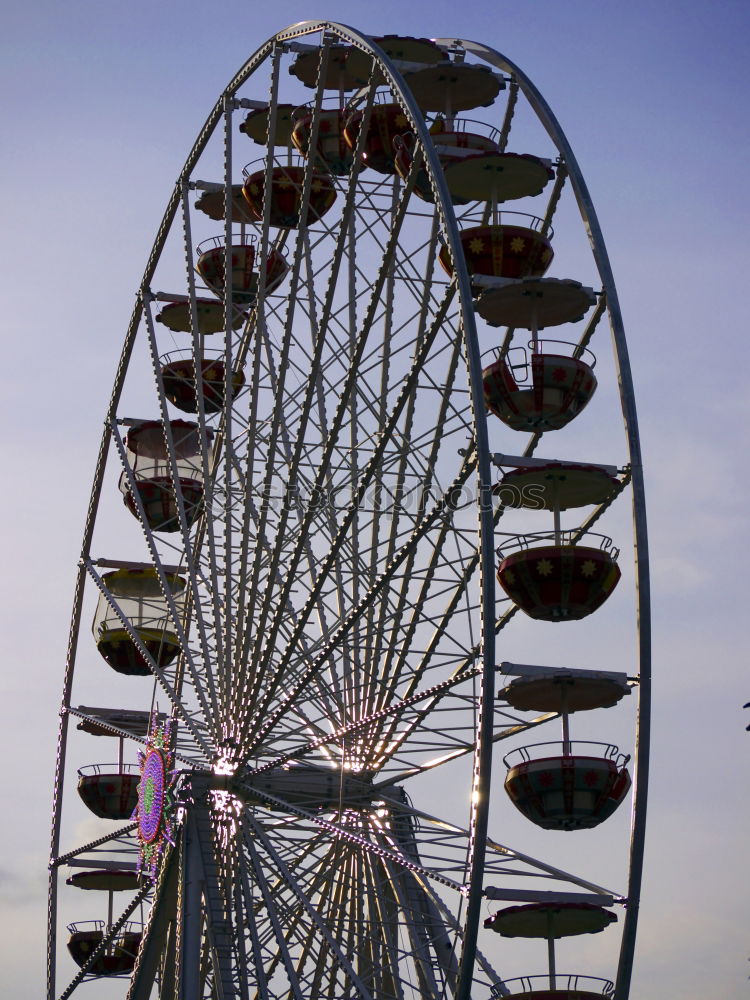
pixel 352 400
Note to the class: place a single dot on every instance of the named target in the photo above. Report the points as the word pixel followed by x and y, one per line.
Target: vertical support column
pixel 551 952
pixel 189 912
pixel 565 718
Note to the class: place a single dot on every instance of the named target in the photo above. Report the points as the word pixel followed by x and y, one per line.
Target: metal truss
pixel 338 626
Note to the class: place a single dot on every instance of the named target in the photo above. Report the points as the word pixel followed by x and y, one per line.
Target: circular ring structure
pixel 328 670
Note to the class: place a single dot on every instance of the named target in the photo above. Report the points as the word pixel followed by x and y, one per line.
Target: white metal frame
pixel 355 636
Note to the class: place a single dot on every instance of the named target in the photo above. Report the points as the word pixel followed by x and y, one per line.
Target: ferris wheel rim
pixel 627 396
pixel 451 232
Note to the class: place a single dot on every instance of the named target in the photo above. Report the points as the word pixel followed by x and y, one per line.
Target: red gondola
pixel 287 185
pixel 211 267
pixel 559 582
pixel 569 791
pixel 560 388
pixel 116 960
pixel 502 251
pixel 387 122
pixel 332 152
pixel 152 473
pixel 180 384
pixel 110 793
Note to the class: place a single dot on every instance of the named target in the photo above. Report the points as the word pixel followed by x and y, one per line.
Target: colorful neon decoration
pixel 156 805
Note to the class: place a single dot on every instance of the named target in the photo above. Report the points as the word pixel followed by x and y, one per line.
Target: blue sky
pixel 101 105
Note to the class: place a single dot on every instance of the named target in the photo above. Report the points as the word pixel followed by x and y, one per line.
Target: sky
pixel 101 105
